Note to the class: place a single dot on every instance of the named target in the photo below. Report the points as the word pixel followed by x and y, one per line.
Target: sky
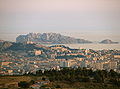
pixel 94 20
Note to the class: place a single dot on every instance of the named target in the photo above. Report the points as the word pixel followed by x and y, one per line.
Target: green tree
pixel 112 73
pixel 32 82
pixel 23 84
pixel 98 78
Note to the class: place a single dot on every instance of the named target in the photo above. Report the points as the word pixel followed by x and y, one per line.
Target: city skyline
pixel 93 20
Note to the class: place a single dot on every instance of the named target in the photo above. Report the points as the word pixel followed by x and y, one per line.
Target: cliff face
pixel 49 38
pixel 107 41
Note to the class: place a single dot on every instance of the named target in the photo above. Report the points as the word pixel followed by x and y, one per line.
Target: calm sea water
pixel 91 46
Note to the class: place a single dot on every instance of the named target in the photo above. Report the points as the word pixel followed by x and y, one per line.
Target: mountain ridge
pixel 50 38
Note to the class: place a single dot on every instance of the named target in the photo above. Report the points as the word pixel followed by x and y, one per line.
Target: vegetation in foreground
pixel 67 78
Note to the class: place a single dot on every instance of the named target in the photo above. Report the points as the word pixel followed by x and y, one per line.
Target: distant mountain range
pixel 50 38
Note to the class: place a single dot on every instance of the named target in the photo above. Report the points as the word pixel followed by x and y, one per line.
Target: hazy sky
pixel 87 19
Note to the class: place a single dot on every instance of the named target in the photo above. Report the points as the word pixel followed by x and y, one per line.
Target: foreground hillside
pixel 66 78
pixel 11 82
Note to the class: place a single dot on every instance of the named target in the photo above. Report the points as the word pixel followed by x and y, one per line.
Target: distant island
pixel 49 38
pixel 107 41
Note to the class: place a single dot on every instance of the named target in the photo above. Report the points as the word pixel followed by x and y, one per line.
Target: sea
pixel 95 46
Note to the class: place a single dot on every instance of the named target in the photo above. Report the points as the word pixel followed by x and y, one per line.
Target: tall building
pixel 112 65
pixel 65 64
pixel 99 66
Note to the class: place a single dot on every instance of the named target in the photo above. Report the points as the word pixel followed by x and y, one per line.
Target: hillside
pixel 66 78
pixel 4 45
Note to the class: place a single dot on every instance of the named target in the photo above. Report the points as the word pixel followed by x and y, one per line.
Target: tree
pixel 32 82
pixel 23 84
pixel 98 78
pixel 43 78
pixel 58 86
pixel 39 72
pixel 115 82
pixel 113 73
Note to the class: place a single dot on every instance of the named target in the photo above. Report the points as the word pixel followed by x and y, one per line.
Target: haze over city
pixel 93 20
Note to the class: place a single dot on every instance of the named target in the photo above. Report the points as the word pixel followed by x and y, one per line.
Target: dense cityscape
pixel 19 59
